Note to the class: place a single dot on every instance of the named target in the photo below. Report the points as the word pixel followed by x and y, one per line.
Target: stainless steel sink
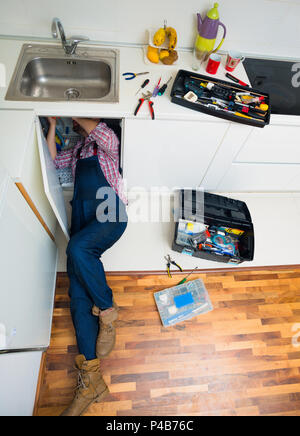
pixel 46 73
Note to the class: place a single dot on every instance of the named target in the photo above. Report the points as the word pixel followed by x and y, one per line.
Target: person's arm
pixel 51 137
pixel 63 159
pixel 88 124
pixel 105 137
pixel 107 140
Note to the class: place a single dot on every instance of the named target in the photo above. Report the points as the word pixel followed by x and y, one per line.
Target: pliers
pixel 150 103
pixel 133 75
pixel 171 262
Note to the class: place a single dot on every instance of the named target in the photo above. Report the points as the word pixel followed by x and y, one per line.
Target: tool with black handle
pixel 164 87
pixel 145 83
pixel 236 80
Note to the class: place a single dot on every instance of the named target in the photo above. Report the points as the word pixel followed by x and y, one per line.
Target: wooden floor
pixel 238 359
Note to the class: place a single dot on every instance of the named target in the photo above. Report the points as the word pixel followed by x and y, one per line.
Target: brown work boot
pixel 107 332
pixel 91 386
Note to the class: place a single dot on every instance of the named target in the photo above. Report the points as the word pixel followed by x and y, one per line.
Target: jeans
pixel 88 284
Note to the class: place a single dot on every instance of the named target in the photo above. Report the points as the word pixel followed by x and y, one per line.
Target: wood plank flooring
pixel 238 359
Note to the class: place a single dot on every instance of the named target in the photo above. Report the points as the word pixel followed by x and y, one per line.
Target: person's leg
pixel 84 251
pixel 86 325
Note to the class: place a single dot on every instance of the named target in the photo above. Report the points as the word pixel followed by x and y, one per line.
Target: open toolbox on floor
pixel 221 99
pixel 213 227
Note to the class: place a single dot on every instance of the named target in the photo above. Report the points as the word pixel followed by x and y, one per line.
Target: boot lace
pixel 80 383
pixel 108 328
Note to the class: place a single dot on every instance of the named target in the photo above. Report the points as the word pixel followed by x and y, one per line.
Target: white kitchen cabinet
pixel 16 127
pixel 247 177
pixel 58 198
pixel 256 160
pixel 232 141
pixel 20 157
pixel 278 144
pixel 28 272
pixel 166 153
pixel 19 374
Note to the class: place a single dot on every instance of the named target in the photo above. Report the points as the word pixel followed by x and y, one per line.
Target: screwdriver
pixel 164 87
pixel 247 116
pixel 184 280
pixel 143 86
pixel 156 89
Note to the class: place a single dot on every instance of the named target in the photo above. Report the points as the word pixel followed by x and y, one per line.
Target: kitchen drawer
pixel 274 144
pixel 243 177
pixel 19 374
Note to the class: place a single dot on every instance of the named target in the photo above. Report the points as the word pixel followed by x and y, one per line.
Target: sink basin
pixel 46 73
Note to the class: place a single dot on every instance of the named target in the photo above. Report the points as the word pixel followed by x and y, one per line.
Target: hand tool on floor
pixel 146 97
pixel 145 83
pixel 169 263
pixel 185 279
pixel 131 76
pixel 164 87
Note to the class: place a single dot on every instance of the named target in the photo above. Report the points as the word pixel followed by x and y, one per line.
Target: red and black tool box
pixel 215 211
pixel 179 90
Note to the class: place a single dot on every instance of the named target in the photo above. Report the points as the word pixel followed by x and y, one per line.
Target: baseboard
pixel 200 271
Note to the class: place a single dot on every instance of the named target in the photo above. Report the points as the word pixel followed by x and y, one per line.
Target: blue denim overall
pixel 90 238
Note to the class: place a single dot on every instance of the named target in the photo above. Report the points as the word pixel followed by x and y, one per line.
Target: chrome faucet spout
pixel 56 24
pixel 68 46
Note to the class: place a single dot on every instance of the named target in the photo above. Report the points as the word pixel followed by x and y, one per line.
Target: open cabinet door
pixel 52 186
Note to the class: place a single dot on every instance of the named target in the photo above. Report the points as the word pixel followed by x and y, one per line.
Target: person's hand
pixel 52 121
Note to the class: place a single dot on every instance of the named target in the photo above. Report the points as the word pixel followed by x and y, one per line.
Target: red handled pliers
pixel 150 103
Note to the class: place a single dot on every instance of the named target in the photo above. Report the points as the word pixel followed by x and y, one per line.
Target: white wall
pixel 254 26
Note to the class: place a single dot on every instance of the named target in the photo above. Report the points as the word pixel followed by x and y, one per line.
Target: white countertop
pixel 131 60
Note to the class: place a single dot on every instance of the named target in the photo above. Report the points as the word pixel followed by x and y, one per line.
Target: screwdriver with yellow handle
pixel 247 116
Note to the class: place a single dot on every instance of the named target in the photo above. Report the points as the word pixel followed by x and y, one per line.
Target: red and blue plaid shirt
pixel 108 156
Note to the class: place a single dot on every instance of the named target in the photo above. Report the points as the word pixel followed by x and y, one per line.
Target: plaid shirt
pixel 108 156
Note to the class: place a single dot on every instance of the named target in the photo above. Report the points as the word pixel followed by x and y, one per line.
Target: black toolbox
pixel 215 211
pixel 179 90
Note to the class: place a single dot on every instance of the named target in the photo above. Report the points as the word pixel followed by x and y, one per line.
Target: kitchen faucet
pixel 68 45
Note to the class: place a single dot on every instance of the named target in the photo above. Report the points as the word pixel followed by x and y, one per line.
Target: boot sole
pixel 102 395
pixel 97 400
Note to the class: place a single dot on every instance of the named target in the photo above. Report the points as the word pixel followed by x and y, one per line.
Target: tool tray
pixel 219 211
pixel 178 91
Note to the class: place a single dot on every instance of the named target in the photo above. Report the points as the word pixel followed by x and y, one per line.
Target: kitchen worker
pixel 98 220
